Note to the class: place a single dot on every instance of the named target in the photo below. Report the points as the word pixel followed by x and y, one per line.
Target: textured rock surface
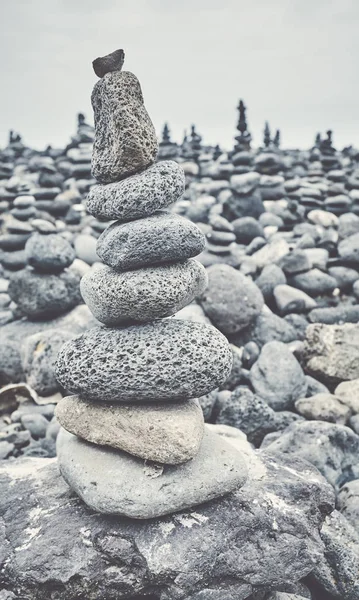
pixel 277 377
pixel 125 139
pixel 49 253
pixel 165 433
pixel 144 294
pixel 42 296
pixel 179 360
pixel 158 239
pixel 323 407
pixel 114 482
pixel 348 393
pixel 140 195
pixel 263 536
pixel 231 300
pixel 331 351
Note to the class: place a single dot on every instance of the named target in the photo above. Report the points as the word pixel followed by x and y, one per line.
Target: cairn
pixel 133 441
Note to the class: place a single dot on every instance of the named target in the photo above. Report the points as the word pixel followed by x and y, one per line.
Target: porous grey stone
pixel 165 360
pixel 348 249
pixel 231 300
pixel 49 253
pixel 165 433
pixel 144 294
pixel 125 139
pixel 348 502
pixel 140 195
pixel 348 393
pixel 331 351
pixel 39 295
pixel 277 377
pixel 114 482
pixel 323 407
pixel 39 352
pixel 110 62
pixel 225 543
pixel 158 239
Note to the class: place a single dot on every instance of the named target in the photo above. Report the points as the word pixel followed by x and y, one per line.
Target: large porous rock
pixel 115 482
pixel 49 253
pixel 231 300
pixel 164 360
pixel 348 249
pixel 331 351
pixel 39 353
pixel 333 449
pixel 165 433
pixel 125 139
pixel 337 570
pixel 155 240
pixel 277 377
pixel 41 296
pixel 348 502
pixel 262 536
pixel 142 295
pixel 140 195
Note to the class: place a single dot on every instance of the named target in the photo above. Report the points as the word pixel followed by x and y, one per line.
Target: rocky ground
pixel 282 260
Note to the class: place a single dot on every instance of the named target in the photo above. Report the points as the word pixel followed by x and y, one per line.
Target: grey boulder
pixel 165 360
pixel 142 295
pixel 114 482
pixel 323 407
pixel 140 195
pixel 125 139
pixel 165 433
pixel 158 239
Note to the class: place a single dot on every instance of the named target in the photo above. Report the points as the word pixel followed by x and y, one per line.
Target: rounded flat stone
pixel 114 482
pixel 165 433
pixel 144 294
pixel 165 360
pixel 49 253
pixel 158 239
pixel 140 195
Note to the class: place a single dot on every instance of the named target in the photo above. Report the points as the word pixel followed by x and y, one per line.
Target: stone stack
pixel 135 443
pixel 47 287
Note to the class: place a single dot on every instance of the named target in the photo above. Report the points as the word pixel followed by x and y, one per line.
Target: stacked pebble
pixel 46 287
pixel 135 380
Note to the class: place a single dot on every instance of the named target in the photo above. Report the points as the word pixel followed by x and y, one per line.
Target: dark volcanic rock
pixel 260 537
pixel 110 62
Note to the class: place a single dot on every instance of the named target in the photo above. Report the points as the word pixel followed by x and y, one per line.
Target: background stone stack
pixel 140 447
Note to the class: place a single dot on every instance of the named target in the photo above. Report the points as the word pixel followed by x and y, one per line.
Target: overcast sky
pixel 294 62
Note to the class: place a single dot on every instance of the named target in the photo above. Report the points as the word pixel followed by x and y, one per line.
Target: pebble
pixel 49 253
pixel 158 239
pixel 270 277
pixel 138 196
pixel 289 299
pixel 142 295
pixel 161 361
pixel 323 407
pixel 348 393
pixel 169 434
pixel 36 424
pixel 246 229
pixel 331 351
pixel 217 469
pixel 348 249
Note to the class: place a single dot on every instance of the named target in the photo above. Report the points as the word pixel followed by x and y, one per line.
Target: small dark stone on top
pixel 110 62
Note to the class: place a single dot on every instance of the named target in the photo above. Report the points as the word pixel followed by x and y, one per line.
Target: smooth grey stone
pixel 331 351
pixel 246 229
pixel 222 238
pixel 251 351
pixel 165 360
pixel 85 248
pixel 318 257
pixel 295 262
pixel 125 139
pixel 42 296
pixel 140 195
pixel 25 408
pixel 125 485
pixel 165 433
pixel 246 183
pixel 335 314
pixel 267 327
pixel 277 377
pixel 39 352
pixel 231 300
pixel 348 249
pixel 289 299
pixel 49 253
pixel 348 225
pixel 158 239
pixel 314 282
pixel 117 298
pixel 13 241
pixel 162 555
pixel 323 407
pixel 219 223
pixel 344 276
pixel 43 226
pixel 270 277
pixel 36 424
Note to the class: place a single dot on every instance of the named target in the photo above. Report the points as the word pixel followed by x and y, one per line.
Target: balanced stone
pixel 114 482
pixel 125 139
pixel 110 62
pixel 158 239
pixel 144 294
pixel 165 433
pixel 49 253
pixel 140 195
pixel 165 360
pixel 39 295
